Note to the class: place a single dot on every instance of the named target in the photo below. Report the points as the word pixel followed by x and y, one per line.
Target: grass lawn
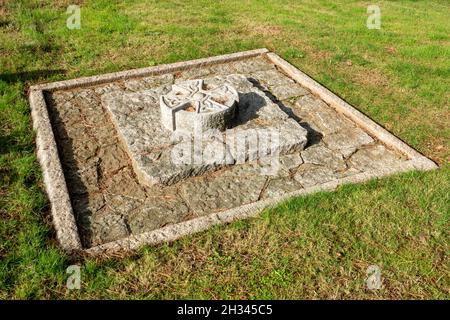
pixel 312 247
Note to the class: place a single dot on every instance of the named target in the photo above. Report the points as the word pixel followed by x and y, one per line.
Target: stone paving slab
pixel 101 204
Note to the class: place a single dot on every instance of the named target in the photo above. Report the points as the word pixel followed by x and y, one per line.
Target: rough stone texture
pixel 190 105
pixel 279 187
pixel 320 116
pixel 53 176
pixel 152 214
pixel 375 157
pixel 309 175
pixel 272 78
pixel 321 155
pixel 108 226
pixel 152 147
pixel 347 141
pixel 291 161
pixel 223 191
pixel 284 92
pixel 115 210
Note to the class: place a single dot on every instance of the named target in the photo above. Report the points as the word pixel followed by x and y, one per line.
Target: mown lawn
pixel 314 247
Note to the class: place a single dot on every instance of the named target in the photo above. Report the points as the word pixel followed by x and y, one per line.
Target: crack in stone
pixel 127 224
pixel 184 201
pixel 264 187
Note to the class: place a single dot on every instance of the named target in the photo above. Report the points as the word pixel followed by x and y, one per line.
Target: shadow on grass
pixel 29 75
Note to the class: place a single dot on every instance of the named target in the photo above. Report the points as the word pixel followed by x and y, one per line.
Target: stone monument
pixel 147 156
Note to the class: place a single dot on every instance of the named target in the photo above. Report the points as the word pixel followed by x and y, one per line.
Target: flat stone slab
pixel 113 185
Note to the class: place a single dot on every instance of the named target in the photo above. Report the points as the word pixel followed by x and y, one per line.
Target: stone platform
pixel 150 145
pixel 106 161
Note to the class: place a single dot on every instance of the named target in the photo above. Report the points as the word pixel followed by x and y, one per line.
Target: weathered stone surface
pixel 252 65
pixel 247 169
pixel 207 194
pixel 140 84
pixel 84 180
pixel 106 88
pixel 284 92
pixel 84 152
pixel 122 205
pixel 254 104
pixel 156 213
pixel 241 83
pixel 320 155
pixel 310 175
pixel 350 171
pixel 244 67
pixel 319 115
pixel 111 159
pixel 125 184
pixel 291 161
pixel 272 78
pixel 196 73
pixel 167 173
pixel 191 105
pixel 68 112
pixel 347 140
pixel 108 227
pixel 374 157
pixel 279 187
pixel 88 204
pixel 223 69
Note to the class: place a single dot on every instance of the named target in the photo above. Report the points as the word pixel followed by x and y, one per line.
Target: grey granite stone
pixel 85 180
pixel 108 227
pixel 291 161
pixel 156 213
pixel 140 84
pixel 207 194
pixel 191 105
pixel 88 204
pixel 284 92
pixel 272 78
pixel 196 73
pixel 320 155
pixel 375 157
pixel 319 115
pixel 125 184
pixel 122 204
pixel 310 175
pixel 280 187
pixel 347 141
pixel 252 65
pixel 111 159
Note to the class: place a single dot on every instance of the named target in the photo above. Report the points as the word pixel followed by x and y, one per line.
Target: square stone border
pixel 56 188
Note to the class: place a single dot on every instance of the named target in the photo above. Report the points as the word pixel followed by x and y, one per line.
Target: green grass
pixel 313 247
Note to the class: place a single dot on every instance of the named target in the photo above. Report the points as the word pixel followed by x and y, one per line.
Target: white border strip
pixel 143 72
pixel 54 180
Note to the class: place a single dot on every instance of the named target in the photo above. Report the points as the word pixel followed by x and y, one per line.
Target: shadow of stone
pixel 78 193
pixel 249 104
pixel 313 136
